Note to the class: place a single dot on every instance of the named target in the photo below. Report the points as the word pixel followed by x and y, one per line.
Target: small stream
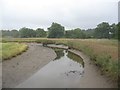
pixel 64 71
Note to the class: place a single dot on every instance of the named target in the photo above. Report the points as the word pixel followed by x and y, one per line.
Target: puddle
pixel 64 71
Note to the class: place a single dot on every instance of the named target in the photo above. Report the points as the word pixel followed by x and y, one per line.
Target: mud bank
pixel 20 68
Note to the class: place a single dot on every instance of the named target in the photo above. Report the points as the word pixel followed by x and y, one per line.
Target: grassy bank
pixel 10 50
pixel 103 52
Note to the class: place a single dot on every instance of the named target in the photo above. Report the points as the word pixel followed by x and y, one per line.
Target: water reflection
pixel 75 58
pixel 63 72
pixel 59 53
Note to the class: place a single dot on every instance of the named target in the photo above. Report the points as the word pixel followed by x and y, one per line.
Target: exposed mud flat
pixel 20 68
pixel 38 59
pixel 64 71
pixel 56 75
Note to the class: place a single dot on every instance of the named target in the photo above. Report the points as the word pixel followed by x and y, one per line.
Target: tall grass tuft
pixel 10 50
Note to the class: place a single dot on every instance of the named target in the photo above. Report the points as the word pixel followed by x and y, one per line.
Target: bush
pixel 103 61
pixel 113 69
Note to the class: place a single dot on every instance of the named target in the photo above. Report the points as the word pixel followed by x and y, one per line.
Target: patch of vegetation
pixel 10 50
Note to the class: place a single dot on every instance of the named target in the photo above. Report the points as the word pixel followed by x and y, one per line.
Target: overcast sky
pixel 82 14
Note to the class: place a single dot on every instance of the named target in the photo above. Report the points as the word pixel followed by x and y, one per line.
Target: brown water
pixel 65 71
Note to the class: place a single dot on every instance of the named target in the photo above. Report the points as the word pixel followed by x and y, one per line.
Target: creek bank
pixel 92 77
pixel 20 68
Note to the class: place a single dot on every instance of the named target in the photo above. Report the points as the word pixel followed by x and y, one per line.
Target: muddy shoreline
pixel 20 68
pixel 92 77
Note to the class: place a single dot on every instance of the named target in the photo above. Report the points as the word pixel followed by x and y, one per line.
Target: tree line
pixel 103 30
pixel 24 33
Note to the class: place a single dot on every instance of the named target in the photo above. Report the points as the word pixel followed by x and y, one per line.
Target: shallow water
pixel 64 71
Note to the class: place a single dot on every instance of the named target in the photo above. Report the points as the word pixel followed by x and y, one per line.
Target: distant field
pixel 10 50
pixel 103 52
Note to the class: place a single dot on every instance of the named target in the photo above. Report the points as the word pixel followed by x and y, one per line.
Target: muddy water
pixel 65 71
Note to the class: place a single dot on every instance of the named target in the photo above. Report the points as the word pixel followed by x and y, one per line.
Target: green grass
pixel 104 54
pixel 10 50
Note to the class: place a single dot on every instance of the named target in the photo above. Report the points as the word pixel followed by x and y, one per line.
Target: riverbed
pixel 40 68
pixel 64 71
pixel 22 67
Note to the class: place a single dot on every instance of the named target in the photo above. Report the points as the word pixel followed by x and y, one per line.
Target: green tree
pixel 76 33
pixel 118 27
pixel 14 33
pixel 40 33
pixel 89 33
pixel 26 32
pixel 6 33
pixel 68 33
pixel 79 33
pixel 102 30
pixel 114 31
pixel 56 31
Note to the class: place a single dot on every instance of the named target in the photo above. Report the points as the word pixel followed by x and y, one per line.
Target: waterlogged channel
pixel 65 71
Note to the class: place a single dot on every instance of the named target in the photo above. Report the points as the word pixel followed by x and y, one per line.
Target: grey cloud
pixel 69 14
